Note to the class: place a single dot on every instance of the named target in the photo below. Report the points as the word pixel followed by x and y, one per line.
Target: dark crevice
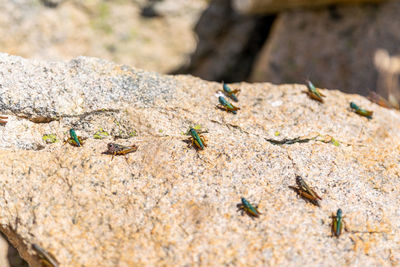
pixel 228 45
pixel 327 139
pixel 241 70
pixel 51 3
pixel 88 113
pixel 43 119
pixel 289 141
pixel 39 119
pixel 149 10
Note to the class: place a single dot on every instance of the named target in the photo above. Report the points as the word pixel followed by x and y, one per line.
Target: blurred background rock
pixel 353 46
pixel 154 35
pixel 350 45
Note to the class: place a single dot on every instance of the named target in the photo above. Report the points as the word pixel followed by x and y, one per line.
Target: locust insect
pixel 314 93
pixel 305 191
pixel 230 93
pixel 248 208
pixel 337 223
pixel 117 150
pixel 74 139
pixel 361 111
pixel 197 140
pixel 225 105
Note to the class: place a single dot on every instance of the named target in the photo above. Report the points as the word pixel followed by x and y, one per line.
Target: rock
pixel 273 6
pixel 168 204
pixel 228 43
pixel 114 30
pixel 301 46
pixel 175 8
pixel 9 255
pixel 3 251
pixel 388 68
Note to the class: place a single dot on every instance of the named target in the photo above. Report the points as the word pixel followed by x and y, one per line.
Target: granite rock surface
pixel 344 47
pixel 169 204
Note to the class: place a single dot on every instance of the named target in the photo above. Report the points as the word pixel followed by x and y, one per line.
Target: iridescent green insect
pixel 3 118
pixel 74 139
pixel 230 93
pixel 248 208
pixel 361 111
pixel 45 258
pixel 337 223
pixel 305 191
pixel 225 105
pixel 314 93
pixel 197 139
pixel 116 150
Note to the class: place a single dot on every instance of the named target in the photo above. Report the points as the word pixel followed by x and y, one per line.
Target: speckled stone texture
pixel 168 204
pixel 114 30
pixel 335 47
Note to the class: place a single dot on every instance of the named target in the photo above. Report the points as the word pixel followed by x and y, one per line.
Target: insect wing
pixel 319 93
pixel 72 142
pixel 314 194
pixel 255 211
pixel 306 189
pixel 337 225
pixel 252 211
pixel 334 225
pixel 338 229
pixel 233 96
pixel 198 143
pixel 235 107
pixel 122 150
pixel 364 112
pixel 77 140
pixel 197 140
pixel 314 96
pixel 309 197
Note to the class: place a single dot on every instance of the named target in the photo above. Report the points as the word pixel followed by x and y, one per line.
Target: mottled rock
pixel 388 85
pixel 3 252
pixel 114 30
pixel 334 47
pixel 168 204
pixel 9 256
pixel 272 6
